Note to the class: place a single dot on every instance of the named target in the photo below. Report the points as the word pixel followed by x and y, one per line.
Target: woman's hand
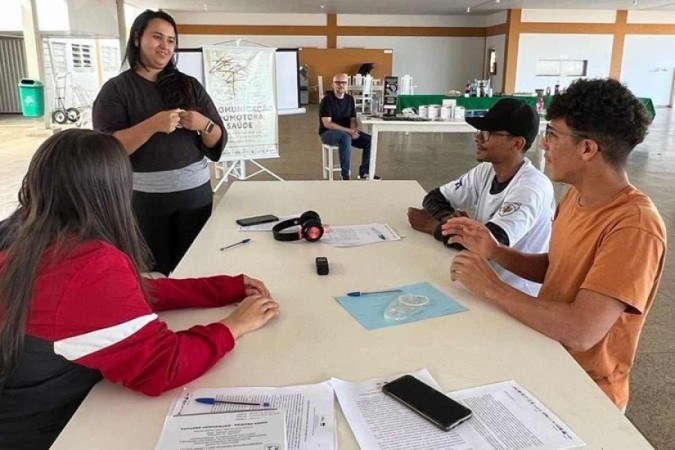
pixel 252 313
pixel 165 121
pixel 193 120
pixel 255 287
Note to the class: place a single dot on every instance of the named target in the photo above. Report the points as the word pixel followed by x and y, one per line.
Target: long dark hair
pixel 174 86
pixel 78 188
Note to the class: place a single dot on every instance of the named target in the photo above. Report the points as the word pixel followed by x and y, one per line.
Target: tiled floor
pixel 433 159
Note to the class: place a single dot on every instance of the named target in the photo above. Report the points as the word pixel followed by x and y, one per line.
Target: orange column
pixel 513 25
pixel 617 44
pixel 331 31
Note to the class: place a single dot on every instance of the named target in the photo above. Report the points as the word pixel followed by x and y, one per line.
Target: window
pixel 562 67
pixel 81 57
pixel 109 56
pixel 59 55
pixel 573 68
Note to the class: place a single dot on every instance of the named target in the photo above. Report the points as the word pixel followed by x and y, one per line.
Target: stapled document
pixel 505 415
pixel 309 415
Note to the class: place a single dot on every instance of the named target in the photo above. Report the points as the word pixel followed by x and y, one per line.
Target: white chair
pixel 406 86
pixel 320 86
pixel 367 94
pixel 363 98
pixel 328 166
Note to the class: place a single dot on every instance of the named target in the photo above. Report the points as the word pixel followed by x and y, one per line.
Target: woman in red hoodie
pixel 73 306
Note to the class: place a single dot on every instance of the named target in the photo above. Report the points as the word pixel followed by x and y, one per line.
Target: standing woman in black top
pixel 168 125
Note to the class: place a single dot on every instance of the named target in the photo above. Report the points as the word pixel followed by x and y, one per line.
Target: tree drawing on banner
pixel 230 71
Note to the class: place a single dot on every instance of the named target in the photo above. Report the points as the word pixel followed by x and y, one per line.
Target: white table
pixel 377 126
pixel 314 338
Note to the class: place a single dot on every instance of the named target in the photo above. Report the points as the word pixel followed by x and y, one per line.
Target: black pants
pixel 170 222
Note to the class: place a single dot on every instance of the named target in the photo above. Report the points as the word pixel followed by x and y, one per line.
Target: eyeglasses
pixel 339 82
pixel 485 135
pixel 551 132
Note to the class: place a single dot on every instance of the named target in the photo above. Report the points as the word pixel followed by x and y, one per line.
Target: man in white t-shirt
pixel 506 192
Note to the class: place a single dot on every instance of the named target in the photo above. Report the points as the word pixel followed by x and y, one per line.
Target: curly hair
pixel 607 112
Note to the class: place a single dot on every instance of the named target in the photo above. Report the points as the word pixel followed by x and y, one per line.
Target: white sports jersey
pixel 524 210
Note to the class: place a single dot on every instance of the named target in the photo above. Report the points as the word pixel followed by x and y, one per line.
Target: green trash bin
pixel 32 94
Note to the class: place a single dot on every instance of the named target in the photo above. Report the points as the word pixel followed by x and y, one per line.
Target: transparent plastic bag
pixel 405 306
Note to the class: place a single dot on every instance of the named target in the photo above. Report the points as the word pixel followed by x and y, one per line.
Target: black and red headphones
pixel 310 225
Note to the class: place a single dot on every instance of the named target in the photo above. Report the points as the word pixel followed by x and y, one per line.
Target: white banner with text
pixel 241 82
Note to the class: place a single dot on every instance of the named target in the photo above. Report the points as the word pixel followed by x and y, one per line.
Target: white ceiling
pixel 382 7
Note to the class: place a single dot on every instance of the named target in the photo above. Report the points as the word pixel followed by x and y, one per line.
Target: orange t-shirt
pixel 618 250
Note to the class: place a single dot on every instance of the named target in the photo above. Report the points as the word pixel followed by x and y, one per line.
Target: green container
pixel 32 94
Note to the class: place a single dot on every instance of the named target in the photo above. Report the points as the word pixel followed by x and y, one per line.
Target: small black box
pixel 321 265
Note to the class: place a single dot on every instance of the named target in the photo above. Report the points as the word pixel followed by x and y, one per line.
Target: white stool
pixel 328 167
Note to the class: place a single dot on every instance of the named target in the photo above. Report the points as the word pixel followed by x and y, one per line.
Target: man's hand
pixel 354 133
pixel 475 274
pixel 473 235
pixel 422 221
pixel 193 120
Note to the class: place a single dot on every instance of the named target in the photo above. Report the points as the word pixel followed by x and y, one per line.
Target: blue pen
pixel 236 243
pixel 359 293
pixel 213 401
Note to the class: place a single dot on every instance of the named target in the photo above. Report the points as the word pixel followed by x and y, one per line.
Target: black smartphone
pixel 248 221
pixel 434 406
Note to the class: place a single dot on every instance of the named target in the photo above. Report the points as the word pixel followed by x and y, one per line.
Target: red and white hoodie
pixel 89 319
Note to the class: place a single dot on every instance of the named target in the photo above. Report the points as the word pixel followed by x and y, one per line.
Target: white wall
pixel 383 20
pixel 648 67
pixel 597 49
pixel 568 15
pixel 662 17
pixel 197 40
pixel 93 17
pixel 437 64
pixel 496 19
pixel 194 41
pixel 497 42
pixel 216 18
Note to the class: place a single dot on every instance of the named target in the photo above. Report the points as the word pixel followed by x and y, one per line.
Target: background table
pixel 375 126
pixel 314 338
pixel 480 103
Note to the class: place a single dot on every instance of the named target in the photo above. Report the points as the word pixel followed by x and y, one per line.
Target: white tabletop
pixel 428 126
pixel 314 338
pixel 376 125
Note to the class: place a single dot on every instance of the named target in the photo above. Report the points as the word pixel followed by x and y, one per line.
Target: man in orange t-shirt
pixel 608 242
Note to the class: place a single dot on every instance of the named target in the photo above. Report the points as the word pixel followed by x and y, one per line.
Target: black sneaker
pixel 365 177
pixel 346 178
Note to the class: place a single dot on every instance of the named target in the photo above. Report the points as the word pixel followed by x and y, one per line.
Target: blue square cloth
pixel 368 310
